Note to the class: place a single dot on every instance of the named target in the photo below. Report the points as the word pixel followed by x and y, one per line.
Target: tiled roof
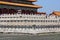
pixel 19 4
pixel 56 13
pixel 31 0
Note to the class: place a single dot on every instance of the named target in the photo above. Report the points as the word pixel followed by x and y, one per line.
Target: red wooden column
pixel 0 11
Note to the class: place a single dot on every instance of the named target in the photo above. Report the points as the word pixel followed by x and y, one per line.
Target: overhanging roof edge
pixel 17 4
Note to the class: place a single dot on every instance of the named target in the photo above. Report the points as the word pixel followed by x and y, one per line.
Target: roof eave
pixel 19 4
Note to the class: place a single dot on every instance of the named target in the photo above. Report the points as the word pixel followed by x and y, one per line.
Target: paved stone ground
pixel 29 37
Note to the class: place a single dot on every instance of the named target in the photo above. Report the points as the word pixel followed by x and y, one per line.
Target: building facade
pixel 22 17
